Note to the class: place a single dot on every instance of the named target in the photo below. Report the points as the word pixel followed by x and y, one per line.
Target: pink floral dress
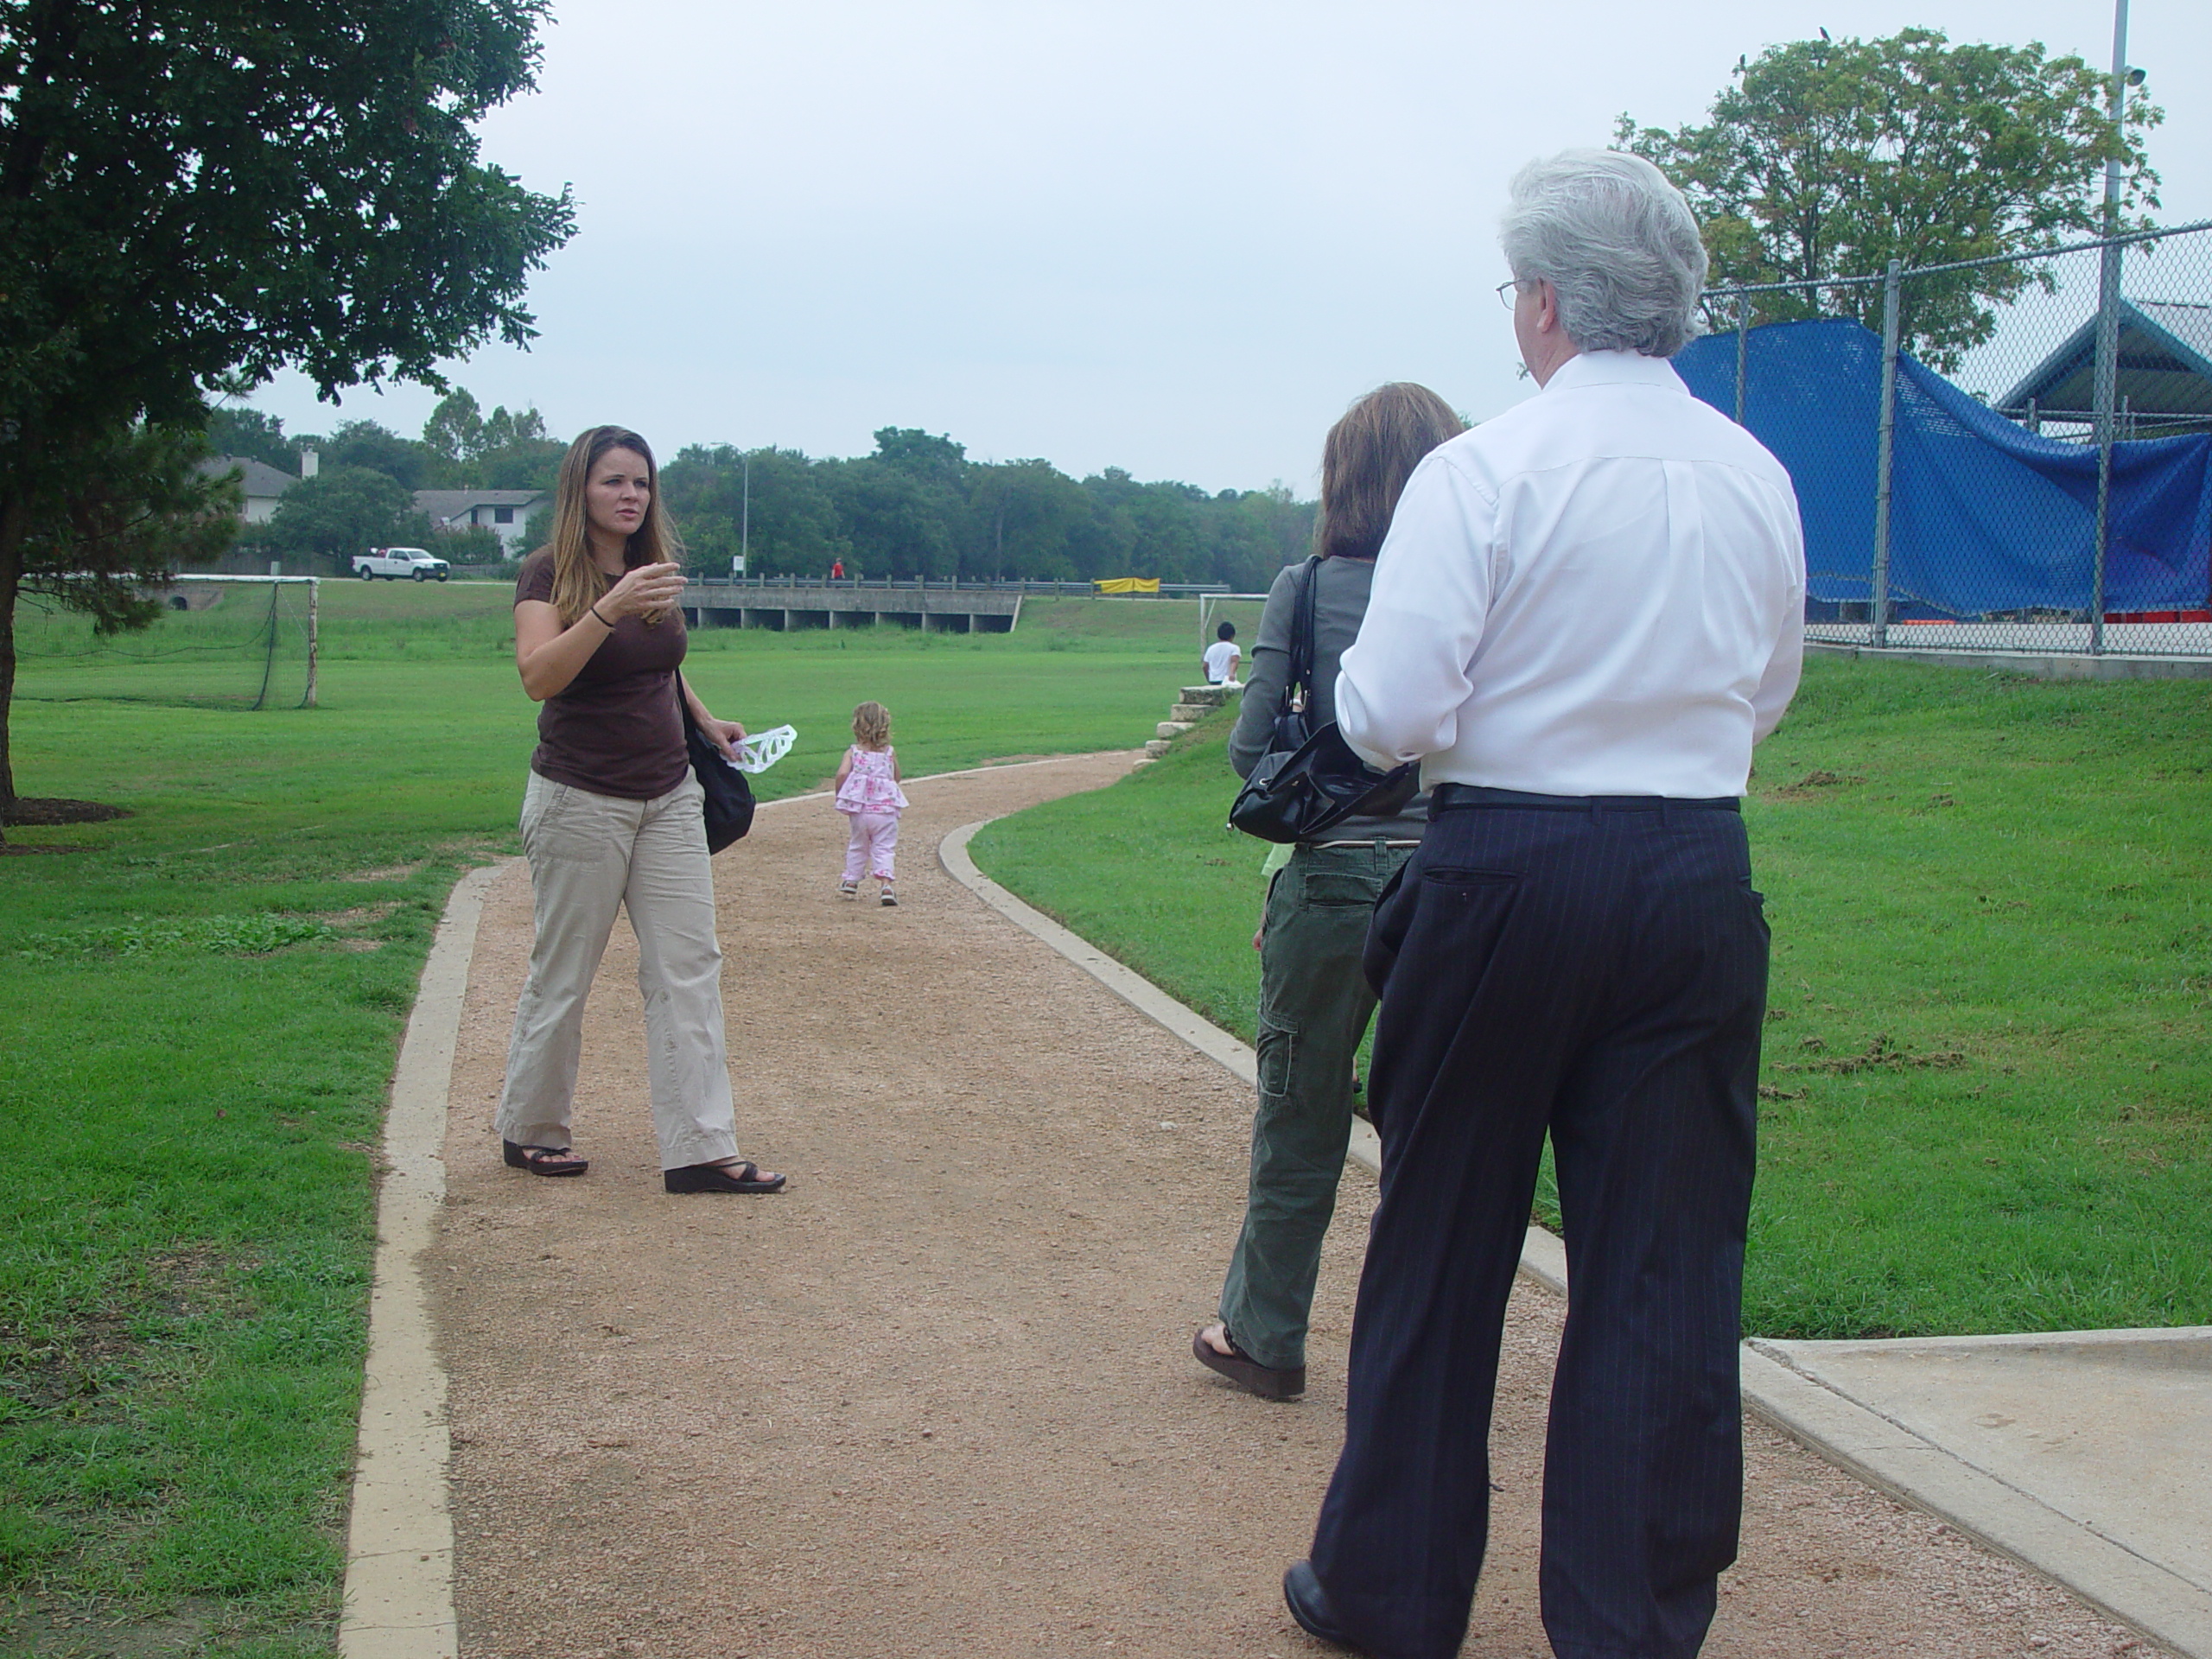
pixel 870 786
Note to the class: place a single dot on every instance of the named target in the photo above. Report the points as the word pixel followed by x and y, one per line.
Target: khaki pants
pixel 590 855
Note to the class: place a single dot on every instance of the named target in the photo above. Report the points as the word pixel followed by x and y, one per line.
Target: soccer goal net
pixel 236 642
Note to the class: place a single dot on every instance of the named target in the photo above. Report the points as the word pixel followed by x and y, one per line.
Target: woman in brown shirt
pixel 611 818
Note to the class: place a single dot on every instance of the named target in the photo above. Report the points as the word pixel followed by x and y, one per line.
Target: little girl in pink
pixel 869 795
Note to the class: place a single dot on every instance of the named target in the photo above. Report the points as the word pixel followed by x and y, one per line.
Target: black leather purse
pixel 729 801
pixel 1310 780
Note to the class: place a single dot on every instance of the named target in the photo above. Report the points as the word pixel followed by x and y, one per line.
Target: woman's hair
pixel 1366 459
pixel 577 582
pixel 872 725
pixel 1618 246
pixel 1226 631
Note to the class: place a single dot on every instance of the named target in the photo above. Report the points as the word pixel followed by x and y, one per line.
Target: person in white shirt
pixel 1588 611
pixel 1220 658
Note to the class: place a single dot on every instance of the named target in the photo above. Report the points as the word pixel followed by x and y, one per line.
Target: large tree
pixel 791 523
pixel 196 193
pixel 367 443
pixel 1830 158
pixel 1021 514
pixel 238 430
pixel 344 511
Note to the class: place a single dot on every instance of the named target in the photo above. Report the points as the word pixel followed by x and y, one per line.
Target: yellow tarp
pixel 1128 585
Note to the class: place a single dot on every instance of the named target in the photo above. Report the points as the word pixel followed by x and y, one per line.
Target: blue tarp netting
pixel 1985 517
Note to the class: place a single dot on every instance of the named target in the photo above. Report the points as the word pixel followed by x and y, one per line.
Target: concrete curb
pixel 2038 665
pixel 399 1543
pixel 2124 1586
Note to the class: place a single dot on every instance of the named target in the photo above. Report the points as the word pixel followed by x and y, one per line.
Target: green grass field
pixel 199 1010
pixel 1990 1111
pixel 1989 1092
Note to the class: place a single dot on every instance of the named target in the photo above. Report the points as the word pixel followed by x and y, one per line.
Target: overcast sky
pixel 1176 238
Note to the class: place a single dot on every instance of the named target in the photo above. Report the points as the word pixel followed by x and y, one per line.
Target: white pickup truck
pixel 393 562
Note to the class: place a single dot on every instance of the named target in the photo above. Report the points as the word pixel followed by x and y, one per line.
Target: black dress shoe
pixel 1309 1604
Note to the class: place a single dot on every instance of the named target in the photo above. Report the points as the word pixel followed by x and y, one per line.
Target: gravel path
pixel 937 1399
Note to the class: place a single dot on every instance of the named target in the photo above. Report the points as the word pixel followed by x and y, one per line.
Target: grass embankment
pixel 1988 1087
pixel 199 1010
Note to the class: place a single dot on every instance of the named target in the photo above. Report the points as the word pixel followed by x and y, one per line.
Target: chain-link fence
pixel 2001 455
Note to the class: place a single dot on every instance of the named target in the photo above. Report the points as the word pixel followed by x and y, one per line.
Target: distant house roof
pixel 445 505
pixel 261 479
pixel 2164 367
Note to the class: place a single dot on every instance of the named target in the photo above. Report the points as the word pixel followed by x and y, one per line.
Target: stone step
pixel 1191 713
pixel 1213 697
pixel 1173 728
pixel 1157 747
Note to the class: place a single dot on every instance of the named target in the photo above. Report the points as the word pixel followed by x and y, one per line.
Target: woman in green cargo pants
pixel 1314 999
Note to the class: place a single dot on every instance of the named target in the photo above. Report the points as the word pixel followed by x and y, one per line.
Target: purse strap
pixel 1300 676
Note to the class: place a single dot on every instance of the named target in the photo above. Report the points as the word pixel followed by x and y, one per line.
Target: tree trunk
pixel 11 582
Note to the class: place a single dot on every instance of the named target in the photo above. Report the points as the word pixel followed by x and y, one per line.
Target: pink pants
pixel 873 846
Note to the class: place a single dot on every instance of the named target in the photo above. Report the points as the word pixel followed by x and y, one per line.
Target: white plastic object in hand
pixel 763 749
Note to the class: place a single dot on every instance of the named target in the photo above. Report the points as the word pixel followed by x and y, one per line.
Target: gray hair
pixel 1617 243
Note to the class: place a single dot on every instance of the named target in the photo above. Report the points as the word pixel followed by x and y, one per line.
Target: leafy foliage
pixel 236 430
pixel 193 194
pixel 93 543
pixel 344 510
pixel 367 444
pixel 918 506
pixel 1829 159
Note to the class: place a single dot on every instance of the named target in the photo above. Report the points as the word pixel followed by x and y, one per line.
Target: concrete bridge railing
pixel 850 605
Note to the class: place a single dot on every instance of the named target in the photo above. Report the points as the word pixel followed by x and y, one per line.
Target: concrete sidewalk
pixel 2087 1455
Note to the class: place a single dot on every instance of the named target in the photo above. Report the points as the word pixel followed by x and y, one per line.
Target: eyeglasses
pixel 1507 290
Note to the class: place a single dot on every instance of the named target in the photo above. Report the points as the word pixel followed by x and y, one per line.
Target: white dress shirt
pixel 1600 591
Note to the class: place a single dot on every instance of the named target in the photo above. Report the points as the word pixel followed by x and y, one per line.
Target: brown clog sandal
pixel 1268 1381
pixel 721 1178
pixel 544 1160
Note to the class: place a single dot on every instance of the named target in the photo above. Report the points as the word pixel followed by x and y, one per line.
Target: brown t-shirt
pixel 616 729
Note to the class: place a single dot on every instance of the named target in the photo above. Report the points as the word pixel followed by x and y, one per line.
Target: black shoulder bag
pixel 729 801
pixel 1310 780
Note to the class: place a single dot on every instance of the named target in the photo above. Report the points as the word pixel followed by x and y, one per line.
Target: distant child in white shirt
pixel 1223 655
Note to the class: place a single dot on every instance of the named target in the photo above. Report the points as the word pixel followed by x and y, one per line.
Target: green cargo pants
pixel 1314 1007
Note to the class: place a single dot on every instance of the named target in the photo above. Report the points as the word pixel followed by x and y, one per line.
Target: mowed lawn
pixel 1988 1087
pixel 200 1004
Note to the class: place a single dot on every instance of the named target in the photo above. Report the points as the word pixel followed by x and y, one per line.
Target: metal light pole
pixel 2107 370
pixel 745 517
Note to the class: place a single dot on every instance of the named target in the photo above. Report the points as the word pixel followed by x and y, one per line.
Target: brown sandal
pixel 544 1160
pixel 721 1178
pixel 1268 1381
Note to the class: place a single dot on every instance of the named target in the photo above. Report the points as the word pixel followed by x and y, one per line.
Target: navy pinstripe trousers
pixel 1595 969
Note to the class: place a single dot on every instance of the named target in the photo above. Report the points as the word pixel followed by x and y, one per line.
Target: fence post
pixel 2105 372
pixel 1884 452
pixel 1743 348
pixel 2106 381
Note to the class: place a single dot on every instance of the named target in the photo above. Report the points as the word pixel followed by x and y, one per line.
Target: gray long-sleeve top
pixel 1339 601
